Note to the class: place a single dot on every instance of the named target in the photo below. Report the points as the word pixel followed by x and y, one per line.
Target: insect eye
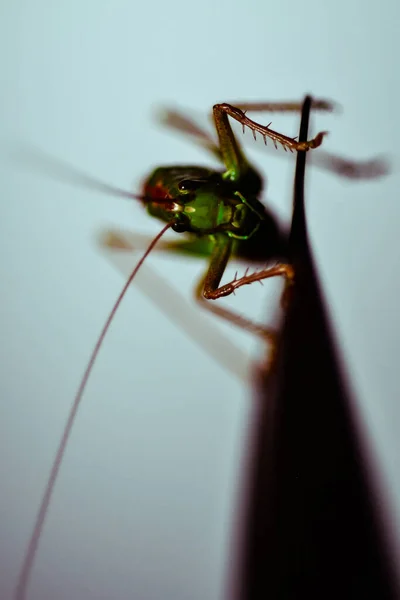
pixel 181 224
pixel 189 185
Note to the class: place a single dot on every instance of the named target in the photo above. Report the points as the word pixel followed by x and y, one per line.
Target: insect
pixel 221 206
pixel 225 206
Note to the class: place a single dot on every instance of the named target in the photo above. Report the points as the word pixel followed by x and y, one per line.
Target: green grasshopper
pixel 225 205
pixel 222 206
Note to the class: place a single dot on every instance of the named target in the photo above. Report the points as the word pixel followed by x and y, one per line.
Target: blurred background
pixel 147 500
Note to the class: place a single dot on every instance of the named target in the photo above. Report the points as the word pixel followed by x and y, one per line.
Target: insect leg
pixel 229 147
pixel 263 331
pixel 280 270
pixel 350 169
pixel 231 153
pixel 208 289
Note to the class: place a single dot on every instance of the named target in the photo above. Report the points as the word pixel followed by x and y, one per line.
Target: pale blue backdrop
pixel 146 501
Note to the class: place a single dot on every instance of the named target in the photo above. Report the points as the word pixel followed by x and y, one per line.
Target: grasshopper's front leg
pixel 209 289
pixel 232 155
pixel 280 270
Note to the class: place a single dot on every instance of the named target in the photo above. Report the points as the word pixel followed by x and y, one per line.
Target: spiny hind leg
pixel 280 270
pixel 232 158
pixel 343 167
pixel 222 111
pixel 268 334
pixel 239 320
pixel 347 168
pixel 209 289
pixel 176 119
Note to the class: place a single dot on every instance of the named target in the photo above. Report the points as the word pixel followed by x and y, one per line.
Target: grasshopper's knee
pixel 202 295
pixel 208 295
pixel 288 273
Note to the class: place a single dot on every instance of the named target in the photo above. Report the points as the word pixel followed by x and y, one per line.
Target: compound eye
pixel 181 224
pixel 189 185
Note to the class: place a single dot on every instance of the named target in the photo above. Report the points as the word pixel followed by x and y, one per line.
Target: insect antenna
pixel 64 172
pixel 29 558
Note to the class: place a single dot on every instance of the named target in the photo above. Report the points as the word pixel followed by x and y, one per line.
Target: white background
pixel 147 495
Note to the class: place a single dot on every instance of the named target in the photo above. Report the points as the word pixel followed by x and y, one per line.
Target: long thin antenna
pixel 26 570
pixel 61 171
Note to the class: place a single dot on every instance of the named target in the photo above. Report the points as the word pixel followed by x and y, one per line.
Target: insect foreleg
pixel 279 270
pixel 209 289
pixel 228 143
